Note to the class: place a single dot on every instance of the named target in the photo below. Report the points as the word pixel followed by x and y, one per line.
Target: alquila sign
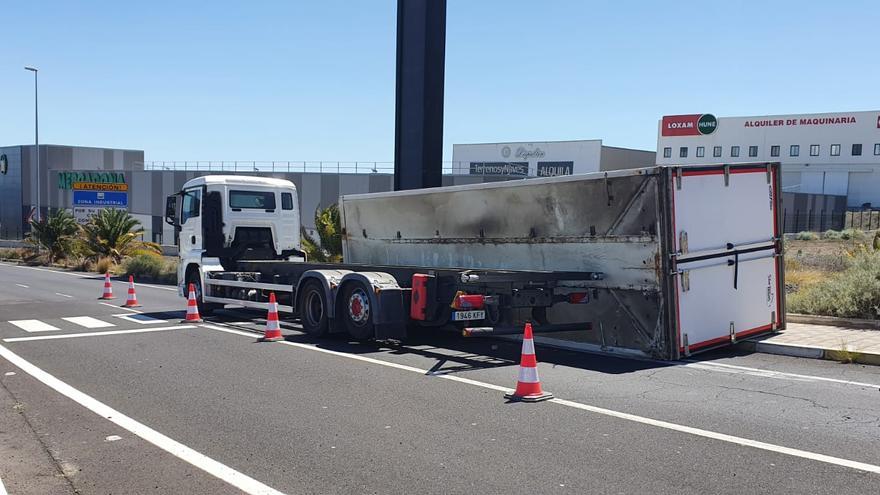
pixel 92 181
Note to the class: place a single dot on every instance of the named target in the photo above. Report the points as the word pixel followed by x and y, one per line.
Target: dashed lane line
pixel 779 449
pixel 96 334
pixel 235 478
pixel 23 286
pixel 88 322
pixel 33 325
pixel 63 295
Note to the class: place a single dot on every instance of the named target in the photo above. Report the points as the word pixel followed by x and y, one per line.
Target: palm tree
pixel 328 227
pixel 55 232
pixel 115 234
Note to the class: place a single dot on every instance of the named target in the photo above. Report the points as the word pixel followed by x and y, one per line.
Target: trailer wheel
pixel 357 311
pixel 312 308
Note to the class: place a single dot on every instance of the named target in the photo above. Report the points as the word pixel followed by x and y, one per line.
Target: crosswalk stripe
pixel 33 325
pixel 88 322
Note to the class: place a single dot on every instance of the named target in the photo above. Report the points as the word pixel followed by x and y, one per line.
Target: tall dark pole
pixel 36 135
pixel 421 60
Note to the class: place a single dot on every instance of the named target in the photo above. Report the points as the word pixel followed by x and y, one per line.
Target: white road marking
pixel 782 375
pixel 112 438
pixel 871 468
pixel 33 325
pixel 80 274
pixel 63 295
pixel 9 373
pixel 2 488
pixel 23 286
pixel 96 334
pixel 120 307
pixel 88 322
pixel 139 318
pixel 229 475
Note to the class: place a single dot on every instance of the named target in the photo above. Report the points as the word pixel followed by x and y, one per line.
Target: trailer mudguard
pixel 331 280
pixel 388 299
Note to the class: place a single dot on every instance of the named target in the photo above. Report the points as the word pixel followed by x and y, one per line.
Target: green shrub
pixel 851 293
pixel 143 266
pixel 832 235
pixel 852 234
pixel 152 268
pixel 806 236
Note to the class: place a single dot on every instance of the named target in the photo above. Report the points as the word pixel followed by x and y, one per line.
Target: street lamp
pixel 36 135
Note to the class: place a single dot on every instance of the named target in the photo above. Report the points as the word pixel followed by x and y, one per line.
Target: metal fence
pixel 820 221
pixel 334 167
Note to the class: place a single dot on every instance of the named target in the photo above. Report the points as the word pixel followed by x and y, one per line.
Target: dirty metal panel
pixel 595 222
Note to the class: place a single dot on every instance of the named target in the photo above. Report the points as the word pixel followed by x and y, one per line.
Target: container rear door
pixel 725 226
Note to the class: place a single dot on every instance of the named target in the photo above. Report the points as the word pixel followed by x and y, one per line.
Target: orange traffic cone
pixel 273 331
pixel 108 288
pixel 132 301
pixel 192 307
pixel 528 386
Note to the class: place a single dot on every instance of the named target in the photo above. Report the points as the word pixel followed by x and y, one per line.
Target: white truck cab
pixel 232 217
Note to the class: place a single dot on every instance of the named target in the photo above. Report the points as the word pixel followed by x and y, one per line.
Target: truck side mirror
pixel 171 211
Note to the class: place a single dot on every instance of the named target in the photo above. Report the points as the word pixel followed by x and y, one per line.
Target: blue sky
pixel 290 80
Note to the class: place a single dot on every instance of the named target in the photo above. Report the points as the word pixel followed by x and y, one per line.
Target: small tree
pixel 328 226
pixel 115 234
pixel 55 233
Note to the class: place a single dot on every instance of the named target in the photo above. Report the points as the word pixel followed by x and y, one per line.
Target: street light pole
pixel 36 135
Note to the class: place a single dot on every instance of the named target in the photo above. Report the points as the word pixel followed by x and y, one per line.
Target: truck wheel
pixel 312 308
pixel 205 309
pixel 357 312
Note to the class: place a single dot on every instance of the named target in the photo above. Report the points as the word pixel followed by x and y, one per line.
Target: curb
pixel 807 352
pixel 833 321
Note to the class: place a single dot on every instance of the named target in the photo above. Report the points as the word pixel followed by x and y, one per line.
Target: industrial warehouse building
pixel 835 154
pixel 545 158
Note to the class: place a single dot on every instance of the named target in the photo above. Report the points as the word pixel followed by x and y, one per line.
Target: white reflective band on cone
pixel 528 346
pixel 528 375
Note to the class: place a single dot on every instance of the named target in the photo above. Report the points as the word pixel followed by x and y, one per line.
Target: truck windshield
pixel 261 200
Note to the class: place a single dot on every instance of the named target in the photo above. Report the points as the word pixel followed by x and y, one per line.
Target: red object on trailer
pixel 419 298
pixel 468 301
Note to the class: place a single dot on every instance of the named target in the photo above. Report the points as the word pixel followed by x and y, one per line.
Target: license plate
pixel 468 315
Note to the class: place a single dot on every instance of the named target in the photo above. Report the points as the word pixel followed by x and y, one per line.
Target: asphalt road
pixel 153 406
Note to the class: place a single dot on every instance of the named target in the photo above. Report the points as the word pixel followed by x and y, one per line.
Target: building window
pixel 683 152
pixel 835 150
pixel 774 150
pixel 734 151
pixel 857 150
pixel 795 150
pixel 701 151
pixel 814 150
pixel 667 152
pixel 877 149
pixel 753 151
pixel 716 152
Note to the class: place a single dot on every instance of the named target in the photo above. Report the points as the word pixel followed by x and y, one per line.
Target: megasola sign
pixel 698 124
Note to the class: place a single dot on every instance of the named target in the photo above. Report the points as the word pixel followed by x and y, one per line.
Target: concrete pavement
pixel 330 416
pixel 833 342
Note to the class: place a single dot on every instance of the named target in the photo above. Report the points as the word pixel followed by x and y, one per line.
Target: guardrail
pixel 335 167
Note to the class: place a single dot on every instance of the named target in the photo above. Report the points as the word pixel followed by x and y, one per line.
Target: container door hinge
pixel 726 175
pixel 677 173
pixel 683 242
pixel 773 326
pixel 769 173
pixel 685 280
pixel 687 347
pixel 732 334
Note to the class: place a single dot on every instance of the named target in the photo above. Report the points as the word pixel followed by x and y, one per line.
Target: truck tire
pixel 311 305
pixel 356 311
pixel 205 309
